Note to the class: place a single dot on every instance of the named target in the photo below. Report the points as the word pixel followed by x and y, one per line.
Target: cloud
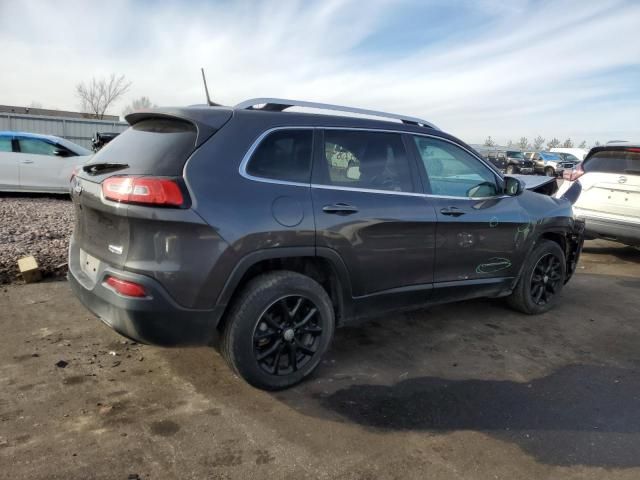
pixel 506 69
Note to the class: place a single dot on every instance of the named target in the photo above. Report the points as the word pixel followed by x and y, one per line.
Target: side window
pixel 371 160
pixel 283 155
pixel 36 146
pixel 453 172
pixel 5 144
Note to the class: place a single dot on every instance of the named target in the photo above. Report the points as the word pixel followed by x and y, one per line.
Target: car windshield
pixel 512 154
pixel 549 156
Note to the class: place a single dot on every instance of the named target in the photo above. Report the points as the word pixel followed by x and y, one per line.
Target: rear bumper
pixel 155 319
pixel 610 229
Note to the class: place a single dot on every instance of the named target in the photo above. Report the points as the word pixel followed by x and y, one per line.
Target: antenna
pixel 206 90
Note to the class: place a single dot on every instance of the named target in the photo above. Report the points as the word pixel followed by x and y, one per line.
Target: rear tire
pixel 541 281
pixel 278 330
pixel 549 172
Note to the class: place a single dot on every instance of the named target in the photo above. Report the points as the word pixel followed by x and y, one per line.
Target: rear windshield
pixel 613 161
pixel 157 146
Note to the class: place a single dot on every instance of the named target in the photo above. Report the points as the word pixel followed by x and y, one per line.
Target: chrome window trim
pixel 247 157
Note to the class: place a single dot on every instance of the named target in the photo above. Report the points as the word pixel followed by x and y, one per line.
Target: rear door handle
pixel 340 209
pixel 452 211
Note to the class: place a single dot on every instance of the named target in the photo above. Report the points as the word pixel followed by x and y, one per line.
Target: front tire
pixel 278 330
pixel 541 281
pixel 549 172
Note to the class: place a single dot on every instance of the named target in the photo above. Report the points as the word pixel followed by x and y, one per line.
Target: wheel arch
pixel 322 264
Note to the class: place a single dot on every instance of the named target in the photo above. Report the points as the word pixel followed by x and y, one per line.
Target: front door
pixel 368 209
pixel 481 233
pixel 41 166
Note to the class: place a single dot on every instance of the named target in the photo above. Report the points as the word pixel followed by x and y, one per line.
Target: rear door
pixel 611 183
pixel 368 209
pixel 9 176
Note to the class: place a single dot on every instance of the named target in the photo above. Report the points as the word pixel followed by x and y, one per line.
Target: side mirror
pixel 512 186
pixel 60 152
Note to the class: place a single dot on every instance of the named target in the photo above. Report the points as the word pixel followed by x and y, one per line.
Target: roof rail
pixel 280 104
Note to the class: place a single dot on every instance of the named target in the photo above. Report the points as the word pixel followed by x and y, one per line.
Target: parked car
pixel 568 158
pixel 259 230
pixel 101 139
pixel 549 164
pixel 579 153
pixel 509 161
pixel 610 198
pixel 31 162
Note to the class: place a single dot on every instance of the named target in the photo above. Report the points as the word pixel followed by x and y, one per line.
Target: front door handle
pixel 452 211
pixel 340 209
pixel 27 161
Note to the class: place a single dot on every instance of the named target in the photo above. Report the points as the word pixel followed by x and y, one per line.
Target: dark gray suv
pixel 259 231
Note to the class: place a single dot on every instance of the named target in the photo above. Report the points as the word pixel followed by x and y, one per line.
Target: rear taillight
pixel 633 150
pixel 573 174
pixel 143 190
pixel 126 288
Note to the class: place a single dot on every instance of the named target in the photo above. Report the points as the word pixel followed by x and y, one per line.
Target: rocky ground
pixel 34 225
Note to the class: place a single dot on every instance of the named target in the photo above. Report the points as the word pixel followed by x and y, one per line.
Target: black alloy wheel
pixel 547 276
pixel 287 335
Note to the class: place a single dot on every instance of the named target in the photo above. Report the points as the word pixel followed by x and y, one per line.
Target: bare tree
pixel 510 144
pixel 142 103
pixel 597 144
pixel 523 143
pixel 553 143
pixel 98 94
pixel 35 104
pixel 489 142
pixel 583 144
pixel 568 143
pixel 538 142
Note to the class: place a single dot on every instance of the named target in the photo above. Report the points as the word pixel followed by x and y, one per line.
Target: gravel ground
pixel 38 226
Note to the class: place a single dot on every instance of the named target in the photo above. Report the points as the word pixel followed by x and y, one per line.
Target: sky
pixel 505 68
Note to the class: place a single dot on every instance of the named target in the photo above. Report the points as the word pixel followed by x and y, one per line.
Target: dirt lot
pixel 465 391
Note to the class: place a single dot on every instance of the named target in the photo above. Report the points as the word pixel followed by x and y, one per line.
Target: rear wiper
pixel 96 168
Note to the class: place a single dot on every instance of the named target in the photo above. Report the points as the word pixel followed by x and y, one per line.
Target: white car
pixel 610 198
pixel 31 162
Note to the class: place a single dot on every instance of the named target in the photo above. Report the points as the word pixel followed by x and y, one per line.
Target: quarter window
pixel 36 146
pixel 453 172
pixel 283 155
pixel 368 160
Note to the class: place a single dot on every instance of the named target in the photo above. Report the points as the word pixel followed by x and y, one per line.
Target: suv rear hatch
pixel 126 232
pixel 611 182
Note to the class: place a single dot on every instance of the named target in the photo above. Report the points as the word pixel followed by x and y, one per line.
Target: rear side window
pixel 614 161
pixel 36 146
pixel 283 155
pixel 5 144
pixel 157 146
pixel 368 160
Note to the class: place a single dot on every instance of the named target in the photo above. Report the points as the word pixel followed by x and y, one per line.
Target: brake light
pixel 126 288
pixel 637 150
pixel 573 174
pixel 145 190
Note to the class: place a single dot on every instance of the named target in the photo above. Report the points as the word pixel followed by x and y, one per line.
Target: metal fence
pixel 77 130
